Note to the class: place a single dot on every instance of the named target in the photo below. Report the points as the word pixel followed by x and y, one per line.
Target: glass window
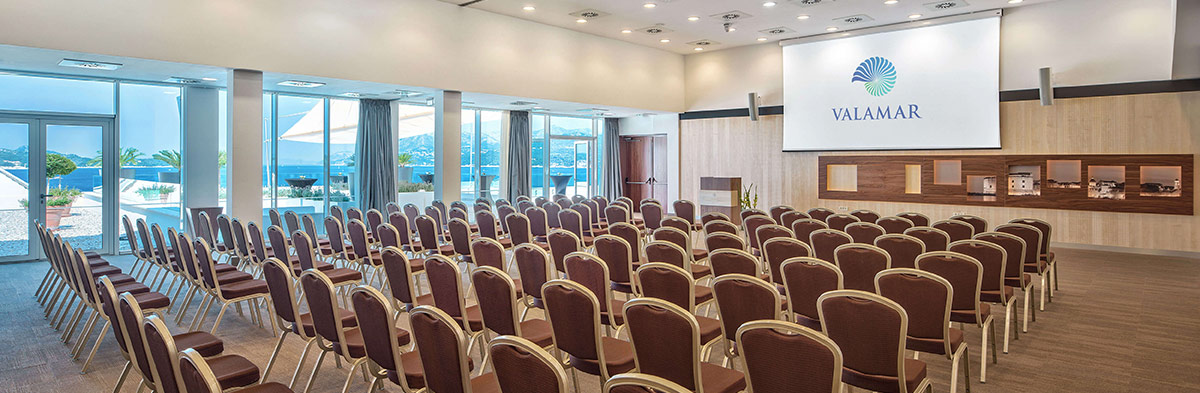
pixel 150 156
pixel 268 155
pixel 538 155
pixel 489 153
pixel 571 126
pixel 222 141
pixel 415 154
pixel 469 118
pixel 343 139
pixel 31 93
pixel 300 176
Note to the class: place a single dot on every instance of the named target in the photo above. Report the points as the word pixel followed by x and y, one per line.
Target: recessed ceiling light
pixel 830 28
pixel 626 31
pixel 845 34
pixel 209 79
pixel 664 40
pixel 353 95
pixel 693 18
pixel 608 114
pixel 768 4
pixel 295 83
pixel 760 39
pixel 581 20
pixel 697 49
pixel 1015 1
pixel 802 17
pixel 914 16
pixel 88 64
pixel 649 5
pixel 925 23
pixel 529 8
pixel 890 2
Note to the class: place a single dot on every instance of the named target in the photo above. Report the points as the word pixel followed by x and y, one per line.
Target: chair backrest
pixel 574 222
pixel 374 218
pixel 522 366
pixel 1014 251
pixel 805 280
pixel 564 202
pixel 519 229
pixel 334 231
pixel 399 275
pixel 616 213
pixel 335 211
pixel 562 243
pixel 278 276
pixel 780 249
pixel 497 294
pixel 673 235
pixel 319 292
pixel 767 232
pixel 591 272
pixel 814 361
pixel 631 235
pixel 258 247
pixel 1030 234
pixel 957 230
pixel 865 215
pixel 723 241
pixel 358 239
pixel 933 238
pixel 225 232
pixel 505 211
pixel 839 221
pixel 593 209
pixel 686 210
pixel 488 252
pixel 391 207
pixel 535 268
pixel 522 206
pixel 291 220
pixel 601 205
pixel 991 258
pixel 445 284
pixel 574 315
pixel 641 383
pixel 870 329
pixel 979 224
pixel 893 224
pixel 918 219
pixel 741 298
pixel 963 272
pixel 204 227
pixel 926 299
pixel 240 243
pixel 304 248
pixel 538 224
pixel 310 225
pixel 777 211
pixel 130 321
pixel 860 263
pixel 378 328
pixel 181 250
pixel 401 224
pixel 195 375
pixel 1042 226
pixel 553 218
pixel 788 217
pixel 443 348
pixel 720 226
pixel 652 213
pixel 714 216
pixel 803 228
pixel 667 282
pixel 864 232
pixel 903 249
pixel 130 235
pixel 427 233
pixel 161 353
pixel 825 241
pixel 387 235
pixel 458 205
pixel 746 213
pixel 460 236
pixel 488 227
pixel 440 206
pixel 618 255
pixel 669 253
pixel 669 338
pixel 820 213
pixel 411 212
pixel 732 261
pixel 677 223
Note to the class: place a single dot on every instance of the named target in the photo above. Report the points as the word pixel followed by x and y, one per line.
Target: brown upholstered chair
pixel 839 221
pixel 670 347
pixel 865 215
pixel 820 213
pixel 965 273
pixel 520 233
pixel 652 212
pixel 746 213
pixel 902 248
pixel 957 230
pixel 864 232
pixel 429 231
pixel 933 238
pixel 162 356
pixel 859 263
pixel 871 331
pixel 503 211
pixel 1032 262
pixel 979 224
pixel 588 216
pixel 926 298
pixel 681 238
pixel 641 383
pixel 1046 255
pixel 446 286
pixel 390 236
pixel 497 294
pixel 767 232
pixel 618 255
pixel 777 212
pixel 444 347
pixel 129 317
pixel 918 219
pixel 713 216
pixel 574 315
pixel 780 249
pixel 288 317
pixel 804 227
pixel 677 223
pixel 805 279
pixel 723 241
pixel 411 212
pixel 787 218
pixel 460 239
pixel 814 362
pixel 458 213
pixel 591 272
pixel 686 210
pixel 196 376
pixel 573 222
pixel 893 224
pixel 539 222
pixel 535 268
pixel 730 261
pixel 521 365
pixel 488 252
pixel 247 290
pixel 339 275
pixel 362 255
pixel 991 258
pixel 616 213
pixel 740 299
pixel 489 227
pixel 632 235
pixel 402 282
pixel 720 226
pixel 672 254
pixel 825 241
pixel 563 242
pixel 750 226
pixel 385 355
pixel 674 285
pixel 1014 277
pixel 103 295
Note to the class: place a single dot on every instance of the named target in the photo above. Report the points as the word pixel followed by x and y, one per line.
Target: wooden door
pixel 659 169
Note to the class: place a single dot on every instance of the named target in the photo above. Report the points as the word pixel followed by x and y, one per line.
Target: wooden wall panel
pixel 1167 123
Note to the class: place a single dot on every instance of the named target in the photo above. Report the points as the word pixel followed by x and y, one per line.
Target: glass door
pixel 16 197
pixel 582 168
pixel 75 182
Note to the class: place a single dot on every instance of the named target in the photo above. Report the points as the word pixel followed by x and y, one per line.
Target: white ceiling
pixel 757 18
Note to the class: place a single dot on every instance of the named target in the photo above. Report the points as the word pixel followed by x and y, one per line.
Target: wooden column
pixel 721 195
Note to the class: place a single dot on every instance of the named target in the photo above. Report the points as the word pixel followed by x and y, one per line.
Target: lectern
pixel 721 195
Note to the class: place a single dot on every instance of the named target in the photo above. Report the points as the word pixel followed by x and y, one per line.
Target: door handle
pixel 44 196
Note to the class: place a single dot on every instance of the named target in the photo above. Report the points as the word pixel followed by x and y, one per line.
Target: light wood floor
pixel 1120 323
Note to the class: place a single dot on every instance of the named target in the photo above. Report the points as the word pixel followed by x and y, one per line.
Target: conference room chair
pixel 444 347
pixel 933 238
pixel 339 276
pixel 575 223
pixel 958 230
pixel 720 226
pixel 820 213
pixel 865 215
pixel 839 221
pixel 574 314
pixel 535 269
pixel 374 218
pixel 641 383
pixel 597 224
pixel 673 284
pixel 1032 262
pixel 391 207
pixel 1014 275
pixel 209 234
pixel 871 331
pixel 309 225
pixel 381 339
pixel 918 219
pixel 519 230
pixel 978 223
pixel 168 270
pixel 94 290
pixel 241 245
pixel 750 227
pixel 894 224
pixel 746 213
pixel 991 258
pixel 259 249
pixel 723 241
pixel 632 235
pixel 140 256
pixel 926 298
pixel 428 233
pixel 630 207
pixel 788 217
pixel 864 232
pixel 803 228
pixel 562 243
pixel 670 347
pixel 489 252
pixel 539 224
pixel 143 231
pixel 228 242
pixel 440 207
pixel 776 212
pixel 446 286
pixel 541 200
pixel 107 302
pixel 163 359
pixel 192 277
pixel 601 203
pixel 461 214
pixel 713 216
pixel 686 210
pixel 618 255
pixel 735 261
pixel 489 227
pixel 291 221
pixel 825 241
pixel 336 212
pixel 522 365
pixel 196 376
pixel 335 251
pixel 778 250
pixel 616 213
pixel 458 205
pixel 903 249
pixel 402 280
pixel 766 232
pixel 652 214
pixel 814 361
pixel 249 291
pixel 677 223
pixel 361 254
pixel 591 272
pixel 287 316
pixel 129 317
pixel 497 294
pixel 411 212
pixel 502 212
pixel 651 200
pixel 672 254
pixel 1046 256
pixel 460 240
pixel 740 299
pixel 553 219
pixel 859 263
pixel 563 201
pixel 681 238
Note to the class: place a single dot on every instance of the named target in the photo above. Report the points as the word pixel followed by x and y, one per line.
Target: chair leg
pixel 313 376
pixel 1042 293
pixel 87 332
pixel 121 379
pixel 45 279
pixel 303 356
pixel 350 375
pixel 187 302
pixel 66 334
pixel 983 349
pixel 221 314
pixel 96 346
pixel 1008 315
pixel 274 356
pixel 1025 311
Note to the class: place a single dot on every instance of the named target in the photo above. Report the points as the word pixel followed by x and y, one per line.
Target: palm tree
pixel 170 157
pixel 129 157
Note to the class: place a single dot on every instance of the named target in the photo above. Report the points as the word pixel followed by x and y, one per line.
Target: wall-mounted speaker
pixel 754 106
pixel 1045 90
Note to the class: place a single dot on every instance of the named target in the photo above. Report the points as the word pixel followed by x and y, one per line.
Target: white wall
pixel 410 42
pixel 1085 41
pixel 664 124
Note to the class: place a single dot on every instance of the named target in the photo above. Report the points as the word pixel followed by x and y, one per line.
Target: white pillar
pixel 447 146
pixel 244 145
pixel 201 175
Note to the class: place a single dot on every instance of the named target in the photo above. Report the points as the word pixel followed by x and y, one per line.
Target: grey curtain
pixel 613 180
pixel 375 155
pixel 519 139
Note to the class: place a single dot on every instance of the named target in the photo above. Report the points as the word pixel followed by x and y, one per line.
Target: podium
pixel 721 195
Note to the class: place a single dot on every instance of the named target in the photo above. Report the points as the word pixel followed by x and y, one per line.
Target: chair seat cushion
pixel 416 264
pixel 131 287
pixel 1048 257
pixel 356 347
pixel 698 254
pixel 1016 281
pixel 811 323
pixel 243 289
pixel 710 329
pixel 231 277
pixel 343 275
pixel 717 379
pixel 306 321
pixel 914 371
pixel 703 294
pixel 618 354
pixel 233 371
pixel 995 296
pixel 474 318
pixel 1038 267
pixel 538 331
pixel 486 383
pixel 151 300
pixel 106 270
pixel 206 344
pixel 617 309
pixel 936 346
pixel 700 271
pixel 414 371
pixel 116 278
pixel 968 316
pixel 223 267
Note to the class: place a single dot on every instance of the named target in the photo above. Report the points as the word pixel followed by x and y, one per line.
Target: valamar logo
pixel 879 77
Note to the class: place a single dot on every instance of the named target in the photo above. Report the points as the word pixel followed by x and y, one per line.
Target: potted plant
pixel 57 206
pixel 164 191
pixel 63 192
pixel 404 172
pixel 750 197
pixel 174 160
pixel 149 193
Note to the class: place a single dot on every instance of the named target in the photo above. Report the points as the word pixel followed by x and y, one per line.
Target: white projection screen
pixel 933 87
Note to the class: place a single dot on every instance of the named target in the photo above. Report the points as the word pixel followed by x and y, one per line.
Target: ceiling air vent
pixel 89 64
pixel 946 5
pixel 810 3
pixel 656 29
pixel 589 14
pixel 731 16
pixel 304 84
pixel 777 31
pixel 853 19
pixel 596 110
pixel 522 103
pixel 184 81
pixel 704 43
pixel 407 93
